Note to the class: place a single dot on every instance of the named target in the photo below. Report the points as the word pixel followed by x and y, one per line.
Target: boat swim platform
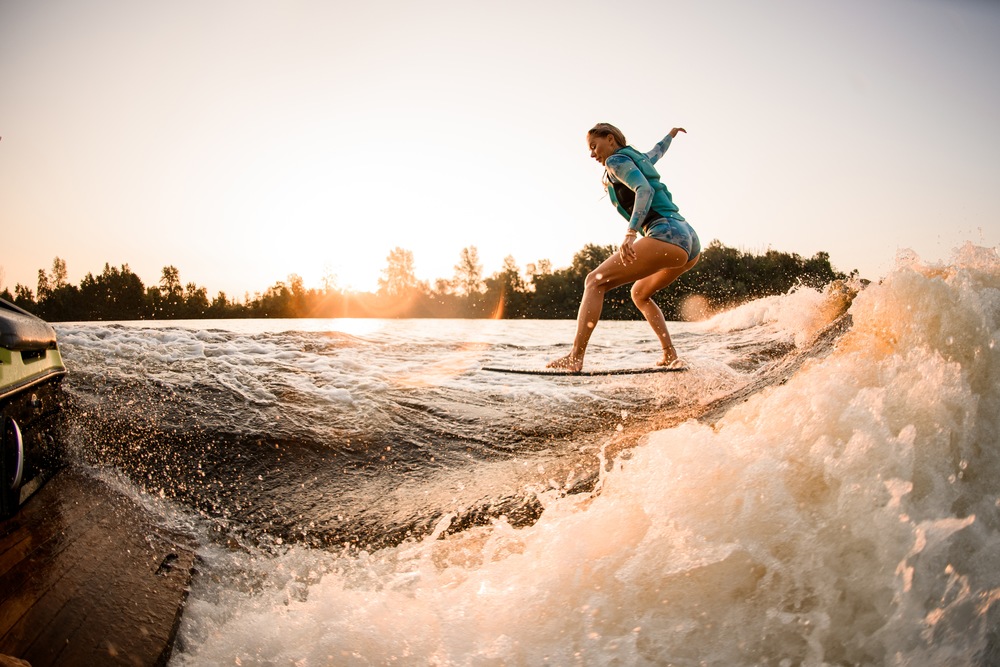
pixel 88 578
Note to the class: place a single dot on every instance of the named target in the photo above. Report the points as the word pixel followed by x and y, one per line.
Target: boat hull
pixel 31 372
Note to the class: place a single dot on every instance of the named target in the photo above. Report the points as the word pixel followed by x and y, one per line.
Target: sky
pixel 244 141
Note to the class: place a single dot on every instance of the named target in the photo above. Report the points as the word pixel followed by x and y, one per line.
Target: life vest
pixel 623 198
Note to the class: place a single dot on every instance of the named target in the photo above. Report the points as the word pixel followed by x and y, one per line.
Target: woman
pixel 668 247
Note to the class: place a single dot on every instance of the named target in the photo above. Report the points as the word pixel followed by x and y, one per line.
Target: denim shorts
pixel 675 232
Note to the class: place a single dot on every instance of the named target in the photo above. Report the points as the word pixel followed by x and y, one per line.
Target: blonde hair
pixel 609 130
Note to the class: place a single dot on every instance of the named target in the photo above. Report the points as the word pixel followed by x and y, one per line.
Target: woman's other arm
pixel 659 149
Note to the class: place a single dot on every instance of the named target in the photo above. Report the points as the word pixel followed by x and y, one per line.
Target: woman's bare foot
pixel 671 360
pixel 568 363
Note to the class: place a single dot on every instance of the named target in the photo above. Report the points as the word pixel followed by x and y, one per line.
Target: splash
pixel 800 314
pixel 848 516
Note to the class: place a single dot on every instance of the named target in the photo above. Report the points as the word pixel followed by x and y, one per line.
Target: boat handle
pixel 20 456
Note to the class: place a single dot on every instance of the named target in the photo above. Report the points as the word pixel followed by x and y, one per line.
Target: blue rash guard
pixel 635 189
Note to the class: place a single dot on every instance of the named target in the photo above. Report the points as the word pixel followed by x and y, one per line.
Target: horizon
pixel 319 284
pixel 430 283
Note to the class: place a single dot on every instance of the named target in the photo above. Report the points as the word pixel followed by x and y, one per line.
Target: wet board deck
pixel 606 371
pixel 87 578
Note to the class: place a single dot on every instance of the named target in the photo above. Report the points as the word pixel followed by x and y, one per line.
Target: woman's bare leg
pixel 651 256
pixel 642 296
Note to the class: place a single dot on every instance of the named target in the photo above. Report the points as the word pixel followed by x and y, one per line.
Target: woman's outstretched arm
pixel 659 149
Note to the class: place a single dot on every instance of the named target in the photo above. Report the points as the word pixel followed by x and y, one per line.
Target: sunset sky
pixel 244 141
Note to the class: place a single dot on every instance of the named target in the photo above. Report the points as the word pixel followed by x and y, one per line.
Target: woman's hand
pixel 626 250
pixel 673 132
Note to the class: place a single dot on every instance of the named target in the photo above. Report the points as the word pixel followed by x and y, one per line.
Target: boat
pixel 61 603
pixel 31 398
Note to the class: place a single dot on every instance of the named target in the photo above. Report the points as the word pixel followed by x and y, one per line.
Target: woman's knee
pixel 596 279
pixel 640 296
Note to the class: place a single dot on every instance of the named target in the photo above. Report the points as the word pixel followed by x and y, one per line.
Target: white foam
pixel 848 516
pixel 798 315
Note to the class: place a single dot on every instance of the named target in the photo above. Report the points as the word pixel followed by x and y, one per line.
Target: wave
pixel 844 513
pixel 325 438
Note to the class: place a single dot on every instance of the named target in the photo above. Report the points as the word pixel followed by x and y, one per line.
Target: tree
pixel 330 281
pixel 170 282
pixel 507 291
pixel 398 278
pixel 542 267
pixel 113 295
pixel 57 299
pixel 300 297
pixel 44 289
pixel 589 258
pixel 59 274
pixel 443 286
pixel 171 294
pixel 49 284
pixel 23 297
pixel 724 277
pixel 468 279
pixel 817 270
pixel 220 307
pixel 195 301
pixel 275 302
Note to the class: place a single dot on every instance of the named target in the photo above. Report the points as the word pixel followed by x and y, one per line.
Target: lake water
pixel 820 487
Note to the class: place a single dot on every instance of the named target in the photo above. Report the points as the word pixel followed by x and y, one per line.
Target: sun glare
pixel 354 326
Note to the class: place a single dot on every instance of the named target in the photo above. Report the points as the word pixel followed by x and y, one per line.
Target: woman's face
pixel 601 147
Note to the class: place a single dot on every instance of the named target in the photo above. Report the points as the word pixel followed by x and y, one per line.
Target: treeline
pixel 724 277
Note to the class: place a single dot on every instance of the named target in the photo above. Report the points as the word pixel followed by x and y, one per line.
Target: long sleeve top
pixel 634 185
